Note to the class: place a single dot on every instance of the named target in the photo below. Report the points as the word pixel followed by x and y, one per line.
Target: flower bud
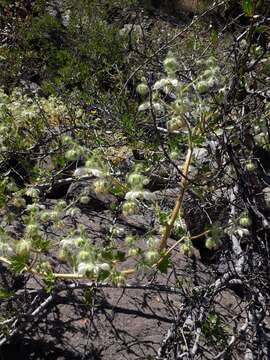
pixel 71 155
pixel 129 208
pixel 67 139
pixel 202 87
pixel 83 255
pixel 54 215
pixel 61 204
pixel 245 221
pixel 142 89
pixel 174 155
pixel 62 255
pixel 211 243
pixel 258 51
pixel 11 186
pixel 151 257
pixel 73 212
pixel 79 241
pixel 260 139
pixel 133 252
pixel 119 280
pixel 18 202
pixel 44 267
pixel 187 249
pixel 31 229
pixel 130 240
pixel 250 166
pixel 175 123
pixel 84 199
pixel 5 249
pixel 45 216
pixel 170 65
pixel 23 247
pixel 136 180
pixel 100 186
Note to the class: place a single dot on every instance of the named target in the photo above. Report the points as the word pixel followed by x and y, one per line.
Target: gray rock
pixel 96 202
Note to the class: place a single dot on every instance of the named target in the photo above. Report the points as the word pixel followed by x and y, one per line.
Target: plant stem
pixel 179 200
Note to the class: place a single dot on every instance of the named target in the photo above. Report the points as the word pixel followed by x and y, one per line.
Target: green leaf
pixel 117 190
pixel 103 275
pixel 214 37
pixel 107 255
pixel 119 255
pixel 18 263
pixel 261 29
pixel 164 265
pixel 49 281
pixel 163 217
pixel 42 244
pixel 4 293
pixel 248 8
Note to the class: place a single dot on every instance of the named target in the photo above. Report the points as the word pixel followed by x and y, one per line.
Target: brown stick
pixel 178 203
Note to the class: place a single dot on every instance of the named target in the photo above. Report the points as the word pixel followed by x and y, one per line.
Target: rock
pixel 96 202
pixel 177 6
pixel 57 9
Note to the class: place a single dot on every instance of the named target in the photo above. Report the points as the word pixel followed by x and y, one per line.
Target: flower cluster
pixel 186 102
pixel 136 181
pixel 86 259
pixel 19 111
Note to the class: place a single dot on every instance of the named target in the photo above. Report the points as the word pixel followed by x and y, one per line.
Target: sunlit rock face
pixel 174 6
pixel 185 5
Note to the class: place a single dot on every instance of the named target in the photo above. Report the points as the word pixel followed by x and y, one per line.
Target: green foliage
pixel 18 263
pixel 5 294
pixel 248 7
pixel 164 264
pixel 213 329
pixel 49 281
pixel 47 140
pixel 85 55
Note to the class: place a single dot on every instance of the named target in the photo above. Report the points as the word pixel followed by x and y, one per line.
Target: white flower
pixel 144 106
pixel 158 107
pixel 133 195
pixel 67 244
pixel 104 267
pixel 175 83
pixel 160 84
pixel 242 232
pixel 86 268
pixel 35 207
pixel 139 194
pixel 95 172
pixel 80 171
pixel 155 105
pixel 73 212
pixel 148 195
pixel 32 192
pixel 71 245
